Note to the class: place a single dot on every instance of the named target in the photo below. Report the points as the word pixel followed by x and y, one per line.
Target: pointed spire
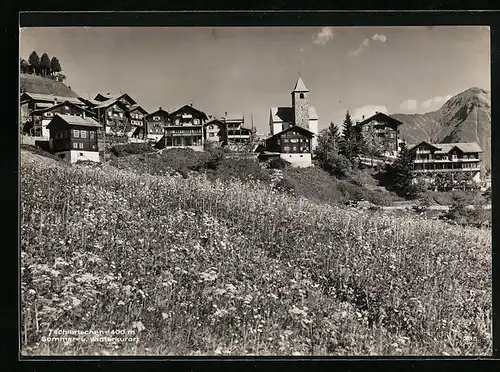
pixel 300 86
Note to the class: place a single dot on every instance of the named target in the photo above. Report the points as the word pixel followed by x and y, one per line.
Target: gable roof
pixel 137 107
pixel 444 148
pixel 113 96
pixel 300 86
pixel 160 111
pixel 411 147
pixel 49 98
pixel 110 102
pixel 214 121
pixel 189 108
pixel 72 120
pixel 89 102
pixel 294 128
pixel 381 117
pixel 65 103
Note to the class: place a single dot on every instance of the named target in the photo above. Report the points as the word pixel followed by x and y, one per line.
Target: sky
pixel 251 69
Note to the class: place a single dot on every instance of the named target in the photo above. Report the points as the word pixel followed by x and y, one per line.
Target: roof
pixel 381 117
pixel 108 103
pixel 100 97
pixel 65 103
pixel 294 128
pixel 233 117
pixel 191 108
pixel 286 114
pixel 50 98
pixel 213 121
pixel 300 86
pixel 137 107
pixel 89 102
pixel 444 148
pixel 76 120
pixel 159 111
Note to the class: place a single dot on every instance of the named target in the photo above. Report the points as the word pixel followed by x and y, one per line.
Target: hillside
pixel 465 117
pixel 193 267
pixel 38 84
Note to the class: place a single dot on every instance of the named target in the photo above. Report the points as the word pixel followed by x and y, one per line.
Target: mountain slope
pixel 465 117
pixel 41 85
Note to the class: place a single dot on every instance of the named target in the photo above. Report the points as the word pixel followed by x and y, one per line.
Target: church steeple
pixel 300 103
pixel 300 86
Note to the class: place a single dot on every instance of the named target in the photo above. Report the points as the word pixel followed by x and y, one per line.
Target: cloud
pixel 378 37
pixel 367 111
pixel 366 42
pixel 434 103
pixel 410 105
pixel 323 36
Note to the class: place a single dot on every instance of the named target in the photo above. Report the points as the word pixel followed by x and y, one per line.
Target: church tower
pixel 300 103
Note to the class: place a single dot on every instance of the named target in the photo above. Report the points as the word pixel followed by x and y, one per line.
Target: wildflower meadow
pixel 190 266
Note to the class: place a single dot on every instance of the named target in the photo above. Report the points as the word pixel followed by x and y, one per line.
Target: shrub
pixel 131 149
pixel 277 163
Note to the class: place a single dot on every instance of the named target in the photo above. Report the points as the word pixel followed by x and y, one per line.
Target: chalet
pixel 238 137
pixel 112 113
pixel 382 130
pixel 154 124
pixel 293 144
pixel 431 159
pixel 215 132
pixel 301 113
pixel 74 137
pixel 42 117
pixel 36 101
pixel 135 115
pixel 124 98
pixel 184 129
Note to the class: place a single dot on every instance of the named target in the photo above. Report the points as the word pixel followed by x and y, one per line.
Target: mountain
pixel 37 84
pixel 465 117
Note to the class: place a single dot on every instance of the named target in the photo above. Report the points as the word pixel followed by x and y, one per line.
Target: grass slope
pixel 38 84
pixel 190 266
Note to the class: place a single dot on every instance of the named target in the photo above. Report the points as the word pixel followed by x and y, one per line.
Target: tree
pixel 34 61
pixel 400 174
pixel 24 65
pixel 61 77
pixel 55 66
pixel 351 139
pixel 45 65
pixel 328 152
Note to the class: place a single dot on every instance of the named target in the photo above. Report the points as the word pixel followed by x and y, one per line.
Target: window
pixel 49 114
pixel 294 140
pixel 196 121
pixel 91 134
pixel 211 134
pixel 120 114
pixel 83 134
pixel 156 118
pixel 286 148
pixel 80 145
pixel 301 95
pixel 76 133
pixel 75 145
pixel 110 113
pixel 81 154
pixel 285 140
pixel 210 127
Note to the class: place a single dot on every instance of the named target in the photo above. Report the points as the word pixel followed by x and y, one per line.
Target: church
pixel 293 130
pixel 301 113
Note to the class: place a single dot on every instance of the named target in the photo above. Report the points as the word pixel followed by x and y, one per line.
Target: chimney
pixel 160 107
pixel 83 114
pixel 225 113
pixel 363 117
pixel 55 100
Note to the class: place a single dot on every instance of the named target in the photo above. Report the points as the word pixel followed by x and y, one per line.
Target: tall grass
pixel 200 267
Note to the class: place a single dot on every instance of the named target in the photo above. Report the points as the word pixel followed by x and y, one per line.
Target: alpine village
pixel 209 233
